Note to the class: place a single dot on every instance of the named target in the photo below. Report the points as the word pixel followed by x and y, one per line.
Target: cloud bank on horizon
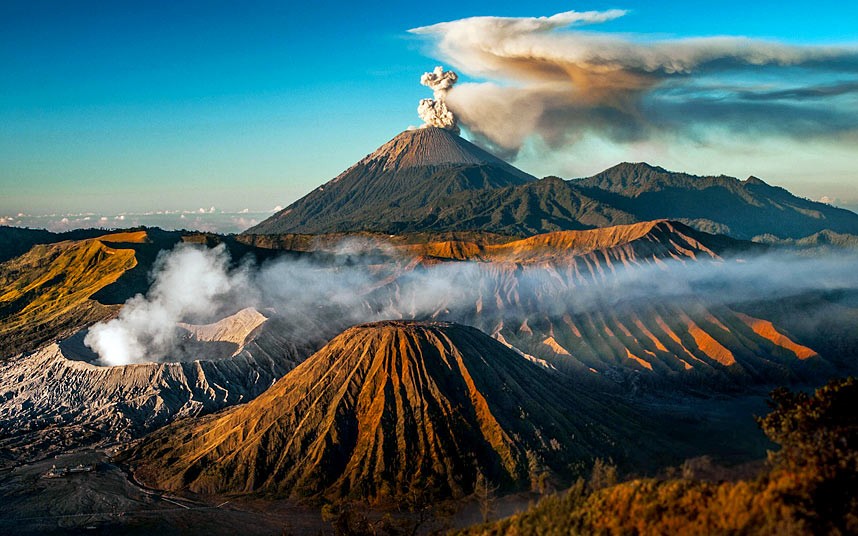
pixel 546 77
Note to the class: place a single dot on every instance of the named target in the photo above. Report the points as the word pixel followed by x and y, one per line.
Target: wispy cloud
pixel 547 77
pixel 346 286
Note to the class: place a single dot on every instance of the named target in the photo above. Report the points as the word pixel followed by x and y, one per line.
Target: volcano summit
pixel 408 178
pixel 432 180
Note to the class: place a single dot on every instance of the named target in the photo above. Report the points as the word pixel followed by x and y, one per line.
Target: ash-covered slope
pixel 406 178
pixel 432 146
pixel 389 408
pixel 55 398
pixel 651 300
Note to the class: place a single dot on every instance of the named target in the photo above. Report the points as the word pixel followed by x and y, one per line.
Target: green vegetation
pixel 810 487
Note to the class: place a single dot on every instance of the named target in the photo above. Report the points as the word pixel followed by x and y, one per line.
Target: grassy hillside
pixel 47 290
pixel 15 241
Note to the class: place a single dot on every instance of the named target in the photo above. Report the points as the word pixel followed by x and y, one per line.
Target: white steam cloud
pixel 434 112
pixel 360 282
pixel 190 282
pixel 545 78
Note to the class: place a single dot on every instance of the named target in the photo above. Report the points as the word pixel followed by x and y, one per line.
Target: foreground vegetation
pixel 810 487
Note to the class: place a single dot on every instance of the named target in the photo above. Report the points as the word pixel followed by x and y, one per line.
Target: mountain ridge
pixel 674 237
pixel 430 180
pixel 721 204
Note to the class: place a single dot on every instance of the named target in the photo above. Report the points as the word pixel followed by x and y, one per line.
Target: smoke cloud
pixel 434 112
pixel 360 282
pixel 190 283
pixel 545 77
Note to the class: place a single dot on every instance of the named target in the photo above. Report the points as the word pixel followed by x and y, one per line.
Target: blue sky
pixel 136 106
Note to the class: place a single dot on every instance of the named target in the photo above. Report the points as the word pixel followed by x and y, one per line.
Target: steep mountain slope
pixel 546 205
pixel 49 290
pixel 430 180
pixel 743 209
pixel 390 408
pixel 409 176
pixel 591 301
pixel 56 398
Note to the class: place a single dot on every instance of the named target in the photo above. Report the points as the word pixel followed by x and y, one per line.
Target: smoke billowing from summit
pixel 546 78
pixel 434 112
pixel 439 81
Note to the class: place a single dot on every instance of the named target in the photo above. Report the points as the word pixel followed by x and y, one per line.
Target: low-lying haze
pixel 195 283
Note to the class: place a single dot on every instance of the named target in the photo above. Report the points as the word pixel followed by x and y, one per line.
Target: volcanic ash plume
pixel 434 112
pixel 546 77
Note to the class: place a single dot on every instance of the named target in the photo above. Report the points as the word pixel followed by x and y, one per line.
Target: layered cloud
pixel 202 219
pixel 552 78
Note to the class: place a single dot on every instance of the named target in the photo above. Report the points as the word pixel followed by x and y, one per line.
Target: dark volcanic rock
pixel 409 177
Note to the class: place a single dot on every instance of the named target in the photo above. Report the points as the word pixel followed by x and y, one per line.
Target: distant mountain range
pixel 743 209
pixel 433 180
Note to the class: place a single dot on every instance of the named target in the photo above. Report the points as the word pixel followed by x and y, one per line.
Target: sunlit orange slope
pixel 49 289
pixel 389 408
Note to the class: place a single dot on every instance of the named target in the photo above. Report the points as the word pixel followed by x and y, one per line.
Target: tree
pixel 484 491
pixel 419 503
pixel 603 475
pixel 818 436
